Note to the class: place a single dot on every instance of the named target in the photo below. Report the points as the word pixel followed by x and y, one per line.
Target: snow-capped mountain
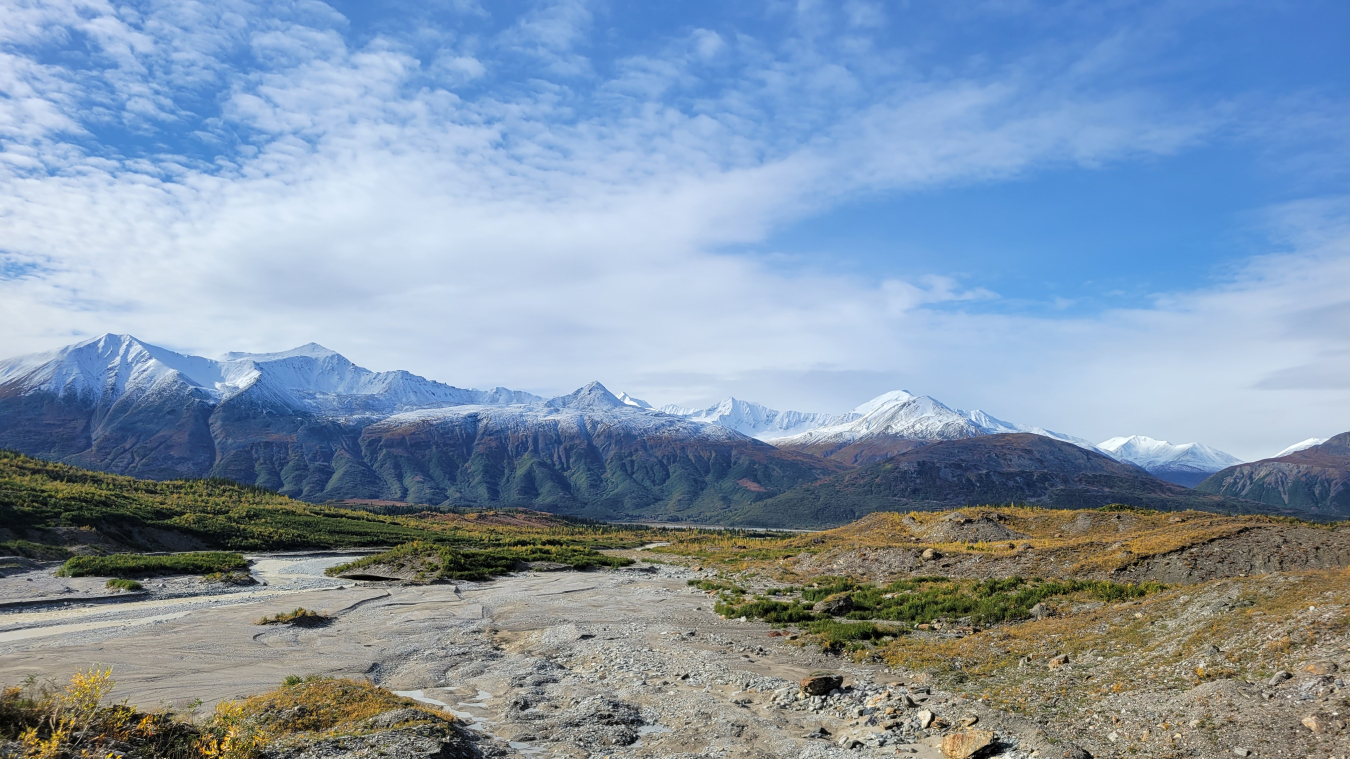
pixel 629 400
pixel 899 420
pixel 1186 464
pixel 756 420
pixel 311 424
pixel 1300 446
pixel 311 378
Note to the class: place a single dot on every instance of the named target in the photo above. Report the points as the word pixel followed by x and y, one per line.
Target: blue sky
pixel 1100 217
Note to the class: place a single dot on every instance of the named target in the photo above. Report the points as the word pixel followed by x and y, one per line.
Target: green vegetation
pixel 121 583
pixel 44 504
pixel 300 616
pixel 430 561
pixel 912 602
pixel 30 550
pixel 142 565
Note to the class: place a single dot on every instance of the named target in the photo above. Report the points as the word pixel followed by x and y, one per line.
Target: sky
pixel 1105 217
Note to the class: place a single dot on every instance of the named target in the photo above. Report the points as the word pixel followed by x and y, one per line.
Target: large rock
pixel 968 744
pixel 820 683
pixel 835 605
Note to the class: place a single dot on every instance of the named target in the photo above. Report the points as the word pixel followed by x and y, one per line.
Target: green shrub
pixel 142 565
pixel 452 563
pixel 119 583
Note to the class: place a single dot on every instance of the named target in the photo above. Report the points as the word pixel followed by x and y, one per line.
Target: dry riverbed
pixel 628 662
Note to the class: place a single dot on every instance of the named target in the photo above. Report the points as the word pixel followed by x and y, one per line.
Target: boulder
pixel 835 605
pixel 1059 661
pixel 929 554
pixel 968 744
pixel 1041 611
pixel 820 683
pixel 925 718
pixel 1279 677
pixel 1320 668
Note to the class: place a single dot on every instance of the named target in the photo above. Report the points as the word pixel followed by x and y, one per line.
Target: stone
pixel 929 554
pixel 1059 661
pixel 967 721
pixel 1323 723
pixel 820 683
pixel 1320 668
pixel 965 745
pixel 925 718
pixel 1280 677
pixel 1242 752
pixel 835 605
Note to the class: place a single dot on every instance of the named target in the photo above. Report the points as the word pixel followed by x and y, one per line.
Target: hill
pixel 1006 468
pixel 1314 480
pixel 48 510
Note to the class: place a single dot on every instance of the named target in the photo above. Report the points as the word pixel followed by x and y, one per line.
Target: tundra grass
pixel 142 565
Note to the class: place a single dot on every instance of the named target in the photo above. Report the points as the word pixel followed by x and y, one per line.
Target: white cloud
pixel 547 234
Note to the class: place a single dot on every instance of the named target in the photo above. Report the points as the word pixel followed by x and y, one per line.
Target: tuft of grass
pixel 301 617
pixel 237 577
pixel 143 565
pixel 121 583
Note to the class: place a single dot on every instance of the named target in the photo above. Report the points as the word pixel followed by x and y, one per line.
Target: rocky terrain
pixel 1314 480
pixel 635 662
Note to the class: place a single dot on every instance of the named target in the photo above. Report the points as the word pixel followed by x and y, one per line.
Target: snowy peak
pixel 756 420
pixel 885 400
pixel 994 426
pixel 1300 446
pixel 104 369
pixel 592 397
pixel 310 378
pixel 629 400
pixel 1161 455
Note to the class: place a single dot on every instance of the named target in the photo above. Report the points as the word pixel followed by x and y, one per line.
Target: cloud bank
pixel 494 200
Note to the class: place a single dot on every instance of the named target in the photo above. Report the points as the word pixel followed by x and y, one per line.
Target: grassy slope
pixel 55 504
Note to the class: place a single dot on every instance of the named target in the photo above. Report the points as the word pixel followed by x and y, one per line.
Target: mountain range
pixel 311 424
pixel 1186 464
pixel 1313 480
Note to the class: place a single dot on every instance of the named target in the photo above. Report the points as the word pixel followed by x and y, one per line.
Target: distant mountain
pixel 756 420
pixel 1300 446
pixel 1314 480
pixel 312 425
pixel 1187 464
pixel 988 469
pixel 899 421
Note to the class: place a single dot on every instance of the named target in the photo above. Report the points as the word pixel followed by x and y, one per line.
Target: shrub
pixel 301 617
pixel 119 583
pixel 143 565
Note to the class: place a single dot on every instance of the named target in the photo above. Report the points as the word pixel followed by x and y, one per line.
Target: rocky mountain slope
pixel 310 424
pixel 1005 468
pixel 1315 480
pixel 1186 464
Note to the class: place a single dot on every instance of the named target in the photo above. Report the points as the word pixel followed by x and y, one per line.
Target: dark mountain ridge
pixel 1314 480
pixel 1004 468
